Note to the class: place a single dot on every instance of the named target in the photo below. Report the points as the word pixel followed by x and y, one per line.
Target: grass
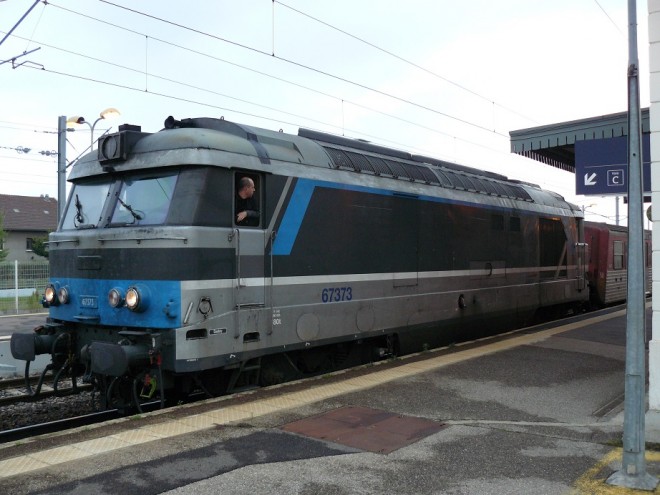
pixel 25 303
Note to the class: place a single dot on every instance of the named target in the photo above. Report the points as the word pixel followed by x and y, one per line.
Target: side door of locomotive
pixel 249 243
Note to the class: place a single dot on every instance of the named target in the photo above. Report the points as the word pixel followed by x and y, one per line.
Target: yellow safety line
pixel 591 483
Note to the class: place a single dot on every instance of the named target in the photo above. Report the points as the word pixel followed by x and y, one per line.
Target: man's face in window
pixel 249 190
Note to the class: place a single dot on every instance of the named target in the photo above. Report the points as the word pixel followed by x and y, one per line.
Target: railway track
pixel 21 433
pixel 13 390
pixel 11 383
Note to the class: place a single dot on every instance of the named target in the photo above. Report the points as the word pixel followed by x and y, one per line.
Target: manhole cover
pixel 365 429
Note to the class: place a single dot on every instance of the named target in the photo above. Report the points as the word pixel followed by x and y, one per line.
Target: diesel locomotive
pixel 353 250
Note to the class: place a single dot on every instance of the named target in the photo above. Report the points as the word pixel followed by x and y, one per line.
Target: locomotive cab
pixel 127 259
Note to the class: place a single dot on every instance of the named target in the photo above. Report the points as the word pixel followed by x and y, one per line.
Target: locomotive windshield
pixel 85 206
pixel 143 201
pixel 129 200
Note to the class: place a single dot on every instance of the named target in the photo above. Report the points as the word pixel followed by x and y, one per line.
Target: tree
pixel 3 252
pixel 39 246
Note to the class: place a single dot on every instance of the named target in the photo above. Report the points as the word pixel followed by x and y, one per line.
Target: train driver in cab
pixel 247 212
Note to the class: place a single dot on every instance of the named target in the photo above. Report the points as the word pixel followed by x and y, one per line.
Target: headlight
pixel 51 294
pixel 132 298
pixel 137 298
pixel 62 295
pixel 114 298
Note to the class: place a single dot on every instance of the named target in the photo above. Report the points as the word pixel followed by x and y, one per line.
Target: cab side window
pixel 247 200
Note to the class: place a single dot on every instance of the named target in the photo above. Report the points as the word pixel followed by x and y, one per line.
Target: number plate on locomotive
pixel 88 302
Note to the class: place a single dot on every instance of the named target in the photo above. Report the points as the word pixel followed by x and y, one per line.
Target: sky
pixel 433 77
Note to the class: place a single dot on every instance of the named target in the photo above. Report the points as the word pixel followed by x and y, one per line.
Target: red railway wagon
pixel 608 262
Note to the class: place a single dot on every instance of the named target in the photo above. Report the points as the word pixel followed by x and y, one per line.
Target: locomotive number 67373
pixel 337 294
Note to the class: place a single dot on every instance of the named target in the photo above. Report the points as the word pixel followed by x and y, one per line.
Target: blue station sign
pixel 601 166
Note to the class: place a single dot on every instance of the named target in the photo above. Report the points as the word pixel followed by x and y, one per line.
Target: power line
pixel 23 149
pixel 19 149
pixel 219 94
pixel 19 21
pixel 191 50
pixel 155 76
pixel 39 183
pixel 49 176
pixel 279 121
pixel 180 83
pixel 301 65
pixel 26 125
pixel 608 16
pixel 36 25
pixel 188 100
pixel 402 59
pixel 28 159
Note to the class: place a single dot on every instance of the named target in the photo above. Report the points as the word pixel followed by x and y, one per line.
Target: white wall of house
pixel 16 243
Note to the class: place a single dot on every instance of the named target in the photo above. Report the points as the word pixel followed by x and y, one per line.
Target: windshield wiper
pixel 136 216
pixel 78 219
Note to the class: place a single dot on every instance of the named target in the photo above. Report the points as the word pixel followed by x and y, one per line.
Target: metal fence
pixel 21 286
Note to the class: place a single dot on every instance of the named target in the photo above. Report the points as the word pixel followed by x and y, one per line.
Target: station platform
pixel 535 411
pixel 21 323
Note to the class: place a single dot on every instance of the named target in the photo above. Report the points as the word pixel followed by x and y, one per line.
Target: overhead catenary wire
pixel 153 66
pixel 26 127
pixel 304 66
pixel 25 150
pixel 19 21
pixel 187 100
pixel 299 12
pixel 44 176
pixel 235 65
pixel 282 111
pixel 224 108
pixel 406 61
pixel 26 158
pixel 36 25
pixel 311 89
pixel 610 18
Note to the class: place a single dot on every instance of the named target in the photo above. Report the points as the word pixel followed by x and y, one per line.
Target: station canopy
pixel 554 144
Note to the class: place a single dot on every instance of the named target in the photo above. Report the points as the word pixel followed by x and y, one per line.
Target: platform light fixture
pixel 584 207
pixel 108 113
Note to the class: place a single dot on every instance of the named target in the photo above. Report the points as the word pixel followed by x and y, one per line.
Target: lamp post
pixel 105 114
pixel 62 128
pixel 584 208
pixel 633 473
pixel 61 166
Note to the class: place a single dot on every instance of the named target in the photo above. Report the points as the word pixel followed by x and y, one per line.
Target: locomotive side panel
pixel 351 261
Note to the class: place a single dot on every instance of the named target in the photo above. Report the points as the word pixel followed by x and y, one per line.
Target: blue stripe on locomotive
pixel 302 194
pixel 89 303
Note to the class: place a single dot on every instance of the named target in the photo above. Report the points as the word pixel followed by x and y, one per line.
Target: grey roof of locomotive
pixel 321 156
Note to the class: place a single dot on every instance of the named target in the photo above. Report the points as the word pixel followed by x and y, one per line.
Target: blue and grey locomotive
pixel 350 248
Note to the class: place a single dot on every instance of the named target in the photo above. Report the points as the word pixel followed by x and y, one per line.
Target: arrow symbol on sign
pixel 590 180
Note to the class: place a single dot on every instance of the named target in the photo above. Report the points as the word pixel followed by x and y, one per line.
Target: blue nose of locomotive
pixel 130 303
